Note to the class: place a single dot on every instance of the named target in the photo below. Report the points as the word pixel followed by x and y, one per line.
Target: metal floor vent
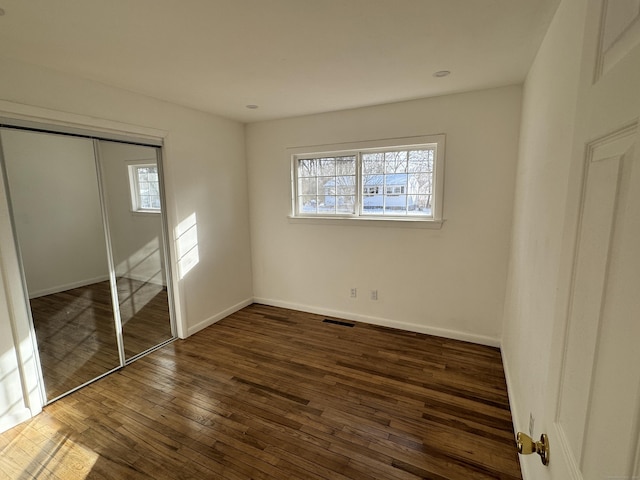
pixel 337 322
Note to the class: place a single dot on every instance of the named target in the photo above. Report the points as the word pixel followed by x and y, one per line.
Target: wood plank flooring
pixel 269 393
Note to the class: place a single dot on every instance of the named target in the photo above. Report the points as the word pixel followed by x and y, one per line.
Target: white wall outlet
pixel 374 294
pixel 354 292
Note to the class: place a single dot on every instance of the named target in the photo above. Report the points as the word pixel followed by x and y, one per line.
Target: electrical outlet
pixel 531 423
pixel 354 292
pixel 374 294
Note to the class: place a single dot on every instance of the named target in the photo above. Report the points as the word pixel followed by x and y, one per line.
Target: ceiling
pixel 289 57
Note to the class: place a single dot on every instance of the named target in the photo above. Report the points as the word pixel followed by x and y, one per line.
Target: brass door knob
pixel 526 446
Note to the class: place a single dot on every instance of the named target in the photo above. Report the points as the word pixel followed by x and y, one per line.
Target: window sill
pixel 144 213
pixel 369 221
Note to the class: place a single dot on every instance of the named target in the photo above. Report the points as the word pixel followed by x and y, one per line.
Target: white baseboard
pixel 515 413
pixel 68 286
pixel 385 322
pixel 219 316
pixel 91 281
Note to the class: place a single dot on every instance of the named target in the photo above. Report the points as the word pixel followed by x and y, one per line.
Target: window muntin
pixel 369 183
pixel 145 188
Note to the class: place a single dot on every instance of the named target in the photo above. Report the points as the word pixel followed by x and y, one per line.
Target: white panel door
pixel 594 406
pixel 598 399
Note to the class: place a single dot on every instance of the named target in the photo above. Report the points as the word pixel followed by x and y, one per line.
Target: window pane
pixel 346 204
pixel 372 180
pixel 372 163
pixel 346 189
pixel 423 205
pixel 346 165
pixel 337 204
pixel 421 161
pixel 345 185
pixel 307 168
pixel 395 204
pixel 420 183
pixel 372 203
pixel 327 204
pixel 395 182
pixel 326 167
pixel 307 186
pixel 307 204
pixel 395 162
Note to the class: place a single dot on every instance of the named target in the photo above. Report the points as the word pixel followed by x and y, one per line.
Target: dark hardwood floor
pixel 269 393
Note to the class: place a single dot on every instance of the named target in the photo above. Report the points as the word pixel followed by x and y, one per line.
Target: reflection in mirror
pixel 131 185
pixel 53 189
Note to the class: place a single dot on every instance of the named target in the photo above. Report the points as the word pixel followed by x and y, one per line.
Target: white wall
pixel 545 154
pixel 449 281
pixel 205 177
pixel 56 207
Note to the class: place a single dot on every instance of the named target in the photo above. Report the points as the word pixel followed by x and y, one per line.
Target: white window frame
pixel 134 186
pixel 435 220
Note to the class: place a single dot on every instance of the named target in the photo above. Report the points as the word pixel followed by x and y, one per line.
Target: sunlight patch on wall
pixel 144 265
pixel 187 245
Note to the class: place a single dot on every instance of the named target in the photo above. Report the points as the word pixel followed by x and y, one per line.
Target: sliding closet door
pixel 54 194
pixel 132 191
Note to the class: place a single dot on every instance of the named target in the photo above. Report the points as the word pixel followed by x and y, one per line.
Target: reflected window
pixel 145 188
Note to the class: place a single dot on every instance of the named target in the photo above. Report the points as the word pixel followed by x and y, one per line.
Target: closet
pixel 89 223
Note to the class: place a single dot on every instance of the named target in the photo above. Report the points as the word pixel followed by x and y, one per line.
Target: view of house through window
pixel 145 188
pixel 405 177
pixel 382 182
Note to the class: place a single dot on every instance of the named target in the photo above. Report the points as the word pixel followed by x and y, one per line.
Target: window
pixel 392 182
pixel 145 188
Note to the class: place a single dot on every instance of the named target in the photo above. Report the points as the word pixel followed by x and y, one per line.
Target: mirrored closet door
pixel 90 231
pixel 132 186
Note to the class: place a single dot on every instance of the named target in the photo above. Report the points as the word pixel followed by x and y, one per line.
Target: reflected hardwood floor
pixel 268 393
pixel 76 334
pixel 144 310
